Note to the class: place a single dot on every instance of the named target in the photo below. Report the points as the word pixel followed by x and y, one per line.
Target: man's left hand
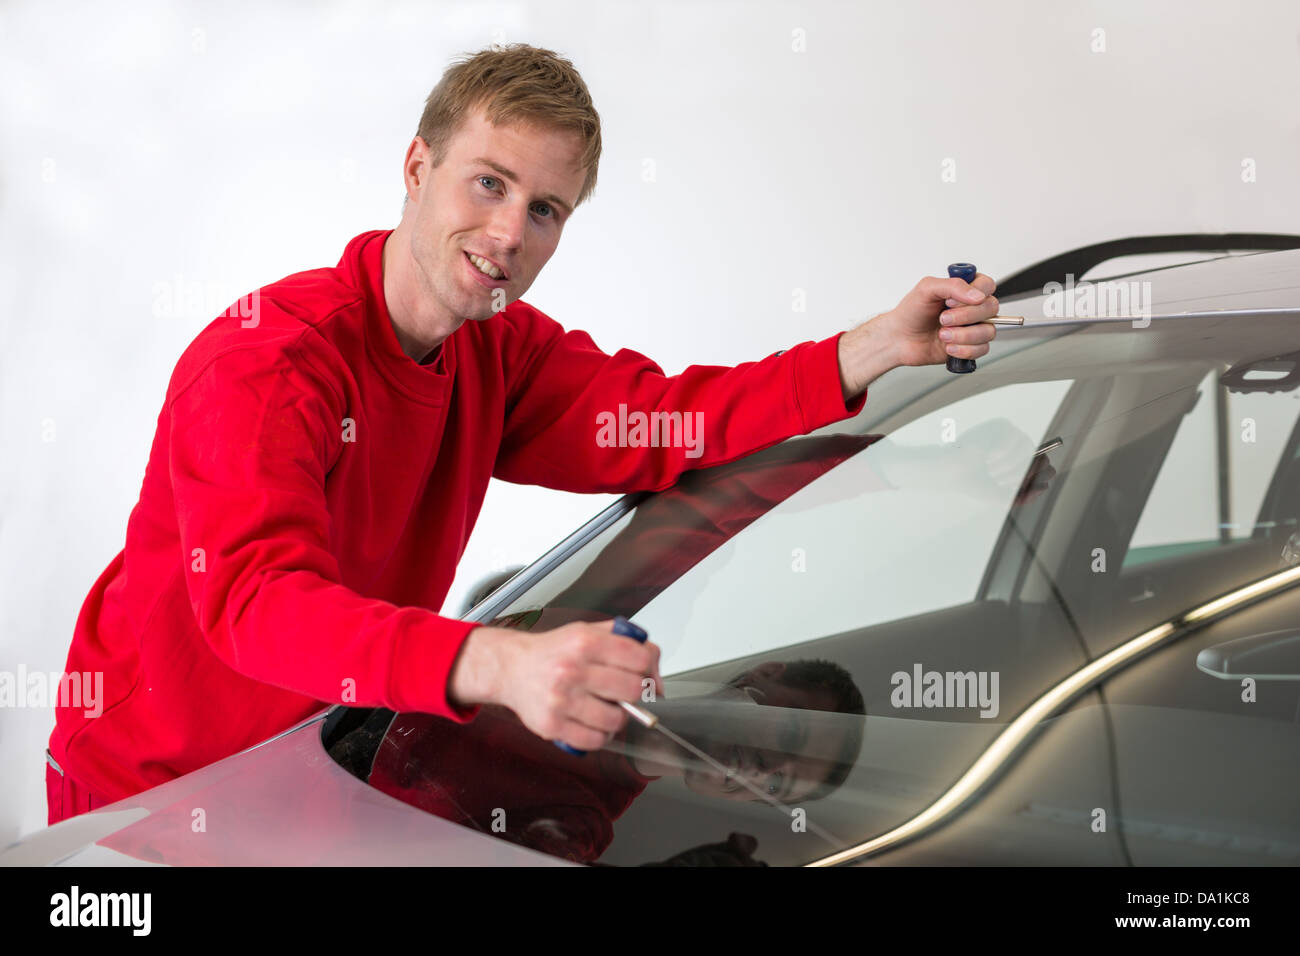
pixel 933 322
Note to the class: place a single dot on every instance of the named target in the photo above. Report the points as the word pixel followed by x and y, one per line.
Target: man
pixel 319 462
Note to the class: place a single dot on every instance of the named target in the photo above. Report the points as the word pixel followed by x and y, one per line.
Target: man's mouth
pixel 486 266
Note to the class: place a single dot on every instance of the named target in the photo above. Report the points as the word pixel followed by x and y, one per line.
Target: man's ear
pixel 416 162
pixel 772 670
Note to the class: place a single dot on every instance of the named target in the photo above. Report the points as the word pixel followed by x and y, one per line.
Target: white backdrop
pixel 190 152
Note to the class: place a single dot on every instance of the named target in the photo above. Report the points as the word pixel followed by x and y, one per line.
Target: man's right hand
pixel 563 684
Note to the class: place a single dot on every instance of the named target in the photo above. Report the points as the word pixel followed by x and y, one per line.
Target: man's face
pixel 502 193
pixel 771 761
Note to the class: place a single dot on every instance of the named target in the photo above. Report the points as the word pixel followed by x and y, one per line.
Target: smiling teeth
pixel 485 267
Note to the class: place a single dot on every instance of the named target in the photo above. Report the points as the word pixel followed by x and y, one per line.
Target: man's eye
pixel 550 212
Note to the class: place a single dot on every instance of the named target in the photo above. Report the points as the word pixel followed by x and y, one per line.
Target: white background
pixel 205 150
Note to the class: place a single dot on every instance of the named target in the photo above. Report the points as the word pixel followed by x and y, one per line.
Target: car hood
pixel 284 802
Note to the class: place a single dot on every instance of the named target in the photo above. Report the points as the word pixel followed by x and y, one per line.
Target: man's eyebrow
pixel 568 210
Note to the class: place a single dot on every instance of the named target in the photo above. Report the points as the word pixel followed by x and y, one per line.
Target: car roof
pixel 1254 282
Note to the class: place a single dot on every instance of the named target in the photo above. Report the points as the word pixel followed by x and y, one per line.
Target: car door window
pixel 1211 487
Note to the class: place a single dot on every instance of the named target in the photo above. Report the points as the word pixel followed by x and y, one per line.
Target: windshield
pixel 849 618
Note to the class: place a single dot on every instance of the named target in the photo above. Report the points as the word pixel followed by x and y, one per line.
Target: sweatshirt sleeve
pixel 251 439
pixel 581 420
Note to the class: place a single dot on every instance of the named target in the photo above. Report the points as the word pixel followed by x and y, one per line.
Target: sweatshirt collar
pixel 363 262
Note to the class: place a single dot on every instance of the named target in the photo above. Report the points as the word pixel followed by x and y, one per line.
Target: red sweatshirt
pixel 311 488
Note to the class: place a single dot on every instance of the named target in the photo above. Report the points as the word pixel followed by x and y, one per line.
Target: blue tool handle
pixel 966 272
pixel 621 626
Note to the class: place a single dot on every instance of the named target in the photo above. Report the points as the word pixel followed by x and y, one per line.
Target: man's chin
pixel 491 314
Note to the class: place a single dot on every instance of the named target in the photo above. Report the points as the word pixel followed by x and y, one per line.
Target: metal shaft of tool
pixel 653 722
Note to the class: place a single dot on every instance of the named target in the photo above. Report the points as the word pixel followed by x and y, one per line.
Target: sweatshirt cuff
pixel 422 664
pixel 819 397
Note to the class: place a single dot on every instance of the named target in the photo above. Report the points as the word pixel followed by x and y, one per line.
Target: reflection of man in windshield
pixel 775 756
pixel 497 776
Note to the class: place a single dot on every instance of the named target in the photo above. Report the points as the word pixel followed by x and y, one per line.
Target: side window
pixel 1211 487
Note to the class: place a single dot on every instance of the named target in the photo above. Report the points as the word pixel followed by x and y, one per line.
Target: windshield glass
pixel 849 618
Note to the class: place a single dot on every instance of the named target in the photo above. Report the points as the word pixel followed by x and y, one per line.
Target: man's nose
pixel 508 224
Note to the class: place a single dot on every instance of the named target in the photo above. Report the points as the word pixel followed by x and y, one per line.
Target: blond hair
pixel 516 83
